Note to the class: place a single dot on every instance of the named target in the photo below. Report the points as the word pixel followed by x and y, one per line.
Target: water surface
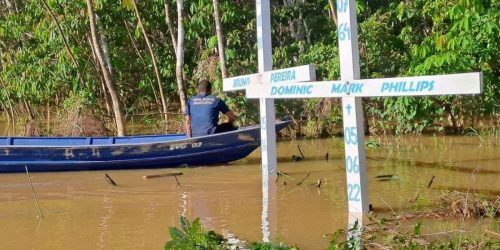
pixel 82 211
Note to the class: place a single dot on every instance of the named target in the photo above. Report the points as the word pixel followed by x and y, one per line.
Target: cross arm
pixel 452 84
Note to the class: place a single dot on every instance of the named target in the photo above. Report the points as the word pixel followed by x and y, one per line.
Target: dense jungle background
pixel 96 67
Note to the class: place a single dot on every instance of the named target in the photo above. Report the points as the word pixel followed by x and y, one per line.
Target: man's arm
pixel 225 110
pixel 230 116
pixel 187 125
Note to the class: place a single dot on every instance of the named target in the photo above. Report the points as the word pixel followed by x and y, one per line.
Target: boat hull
pixel 119 153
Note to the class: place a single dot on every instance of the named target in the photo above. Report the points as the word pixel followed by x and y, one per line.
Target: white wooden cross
pixel 350 88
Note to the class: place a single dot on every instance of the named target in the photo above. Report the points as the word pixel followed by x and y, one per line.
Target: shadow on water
pixel 448 165
pixel 452 167
pixel 483 191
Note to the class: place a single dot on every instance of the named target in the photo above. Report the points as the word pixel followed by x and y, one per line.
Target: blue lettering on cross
pixel 291 90
pixel 407 86
pixel 342 5
pixel 241 82
pixel 343 88
pixel 348 107
pixel 355 88
pixel 283 76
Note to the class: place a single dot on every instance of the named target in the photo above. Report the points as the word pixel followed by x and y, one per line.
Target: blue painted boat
pixel 50 154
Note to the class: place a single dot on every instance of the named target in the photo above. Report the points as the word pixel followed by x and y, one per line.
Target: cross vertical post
pixel 267 114
pixel 351 89
pixel 265 59
pixel 355 155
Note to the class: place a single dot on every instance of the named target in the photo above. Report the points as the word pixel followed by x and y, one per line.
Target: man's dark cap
pixel 204 85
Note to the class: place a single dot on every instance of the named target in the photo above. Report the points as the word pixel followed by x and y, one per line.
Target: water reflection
pixel 104 226
pixel 269 207
pixel 183 203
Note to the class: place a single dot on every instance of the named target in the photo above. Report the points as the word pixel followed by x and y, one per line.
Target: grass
pixel 192 235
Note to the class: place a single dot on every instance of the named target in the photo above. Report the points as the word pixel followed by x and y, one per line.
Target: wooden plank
pixel 151 176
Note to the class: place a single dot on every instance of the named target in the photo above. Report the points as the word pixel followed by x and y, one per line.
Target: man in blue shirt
pixel 202 113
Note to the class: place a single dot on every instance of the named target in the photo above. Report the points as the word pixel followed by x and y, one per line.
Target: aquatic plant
pixel 269 246
pixel 192 235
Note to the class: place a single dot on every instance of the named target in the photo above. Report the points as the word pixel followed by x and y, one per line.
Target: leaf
pixel 128 4
pixel 441 41
pixel 417 229
pixel 184 223
pixel 212 42
pixel 451 44
pixel 230 54
pixel 176 234
pixel 372 144
pixel 137 32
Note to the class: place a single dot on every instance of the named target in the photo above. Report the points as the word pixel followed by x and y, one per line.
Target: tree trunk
pixel 104 91
pixel 106 71
pixel 132 40
pixel 48 116
pixel 104 46
pixel 27 106
pixel 1 59
pixel 170 25
pixel 5 109
pixel 180 56
pixel 366 124
pixel 155 66
pixel 307 31
pixel 220 39
pixel 333 12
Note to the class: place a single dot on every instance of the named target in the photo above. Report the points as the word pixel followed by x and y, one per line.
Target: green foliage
pixel 372 144
pixel 397 38
pixel 444 37
pixel 338 243
pixel 412 240
pixel 269 246
pixel 352 242
pixel 192 235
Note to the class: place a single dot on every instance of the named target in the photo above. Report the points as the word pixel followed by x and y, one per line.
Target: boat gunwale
pixel 65 162
pixel 244 129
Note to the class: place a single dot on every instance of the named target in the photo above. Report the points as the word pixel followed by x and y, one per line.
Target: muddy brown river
pixel 82 211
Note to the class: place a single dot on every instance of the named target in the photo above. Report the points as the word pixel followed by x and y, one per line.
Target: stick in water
pixel 178 183
pixel 33 191
pixel 319 183
pixel 160 175
pixel 431 181
pixel 109 180
pixel 303 179
pixel 300 150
